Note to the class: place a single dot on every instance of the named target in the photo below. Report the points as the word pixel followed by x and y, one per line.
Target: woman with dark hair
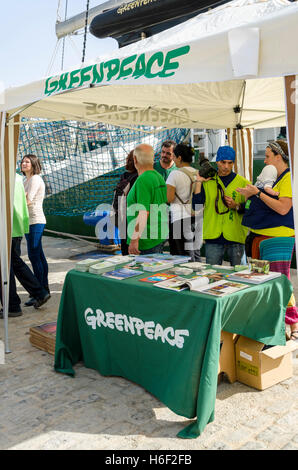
pixel 122 189
pixel 186 225
pixel 35 191
pixel 269 216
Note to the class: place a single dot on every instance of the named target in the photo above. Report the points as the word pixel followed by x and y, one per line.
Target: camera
pixel 206 169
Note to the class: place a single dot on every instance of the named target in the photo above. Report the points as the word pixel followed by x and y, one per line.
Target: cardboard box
pixel 261 367
pixel 227 362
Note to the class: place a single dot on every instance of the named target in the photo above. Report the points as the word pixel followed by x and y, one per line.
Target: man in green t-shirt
pixel 17 266
pixel 147 214
pixel 166 164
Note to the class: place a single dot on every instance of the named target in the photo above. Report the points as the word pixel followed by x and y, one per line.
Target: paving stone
pixel 276 436
pixel 252 445
pixel 290 446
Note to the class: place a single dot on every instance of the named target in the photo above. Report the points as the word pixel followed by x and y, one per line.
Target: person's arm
pixel 141 223
pixel 171 190
pixel 28 200
pixel 199 192
pixel 33 186
pixel 198 185
pixel 281 205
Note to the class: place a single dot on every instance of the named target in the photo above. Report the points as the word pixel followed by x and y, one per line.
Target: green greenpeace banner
pixel 167 342
pixel 159 64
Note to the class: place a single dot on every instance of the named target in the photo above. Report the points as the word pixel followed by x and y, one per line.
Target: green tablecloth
pixel 104 323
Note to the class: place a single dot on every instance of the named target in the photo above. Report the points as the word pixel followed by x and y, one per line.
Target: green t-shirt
pixel 148 193
pixel 20 210
pixel 164 172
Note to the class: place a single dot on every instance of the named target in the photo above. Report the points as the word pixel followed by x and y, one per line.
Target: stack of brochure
pixel 254 278
pixel 101 267
pixel 85 264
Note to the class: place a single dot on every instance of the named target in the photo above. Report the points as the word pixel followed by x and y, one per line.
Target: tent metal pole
pixel 4 238
pixel 291 99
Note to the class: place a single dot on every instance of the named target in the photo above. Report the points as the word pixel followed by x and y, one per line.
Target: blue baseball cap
pixel 225 153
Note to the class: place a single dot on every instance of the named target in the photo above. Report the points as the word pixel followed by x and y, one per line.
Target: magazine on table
pixel 122 273
pixel 158 277
pixel 181 283
pixel 221 288
pixel 254 278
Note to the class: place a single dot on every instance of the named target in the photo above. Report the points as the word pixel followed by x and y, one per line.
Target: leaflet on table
pixel 158 277
pixel 181 283
pixel 120 259
pixel 122 273
pixel 175 259
pixel 153 266
pixel 252 277
pixel 195 265
pixel 223 266
pixel 221 288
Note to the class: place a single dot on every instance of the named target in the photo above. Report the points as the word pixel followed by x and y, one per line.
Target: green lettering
pixel 74 78
pixel 168 65
pixel 140 68
pixel 63 81
pixel 157 57
pixel 51 85
pixel 85 75
pixel 113 68
pixel 124 73
pixel 97 72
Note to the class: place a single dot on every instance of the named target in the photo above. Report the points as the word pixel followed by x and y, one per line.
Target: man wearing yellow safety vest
pixel 223 211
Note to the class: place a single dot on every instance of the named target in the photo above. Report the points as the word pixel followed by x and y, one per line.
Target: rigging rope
pixel 85 33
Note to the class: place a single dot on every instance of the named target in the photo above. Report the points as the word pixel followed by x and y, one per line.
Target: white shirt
pixel 35 191
pixel 181 183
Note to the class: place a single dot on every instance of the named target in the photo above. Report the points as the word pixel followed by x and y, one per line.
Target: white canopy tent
pixel 232 67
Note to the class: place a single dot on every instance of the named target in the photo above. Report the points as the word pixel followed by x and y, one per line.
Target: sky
pixel 28 40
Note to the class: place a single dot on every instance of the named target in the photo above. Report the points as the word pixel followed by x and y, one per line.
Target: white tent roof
pixel 192 75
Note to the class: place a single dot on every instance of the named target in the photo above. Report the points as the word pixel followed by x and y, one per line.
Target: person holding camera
pixel 223 208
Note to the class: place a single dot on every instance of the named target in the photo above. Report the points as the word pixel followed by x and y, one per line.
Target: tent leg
pixel 5 298
pixel 9 136
pixel 291 95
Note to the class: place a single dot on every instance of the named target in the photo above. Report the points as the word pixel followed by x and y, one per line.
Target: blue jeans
pixel 215 253
pixel 36 254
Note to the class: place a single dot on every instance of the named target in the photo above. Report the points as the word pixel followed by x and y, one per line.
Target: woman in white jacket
pixel 35 191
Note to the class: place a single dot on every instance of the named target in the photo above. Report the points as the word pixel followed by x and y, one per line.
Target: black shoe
pixel 39 302
pixel 30 302
pixel 16 313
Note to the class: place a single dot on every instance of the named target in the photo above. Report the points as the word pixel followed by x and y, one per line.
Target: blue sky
pixel 28 39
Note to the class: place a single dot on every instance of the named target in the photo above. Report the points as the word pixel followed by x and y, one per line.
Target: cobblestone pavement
pixel 42 409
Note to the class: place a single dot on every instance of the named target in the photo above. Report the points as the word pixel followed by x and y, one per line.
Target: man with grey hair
pixel 147 215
